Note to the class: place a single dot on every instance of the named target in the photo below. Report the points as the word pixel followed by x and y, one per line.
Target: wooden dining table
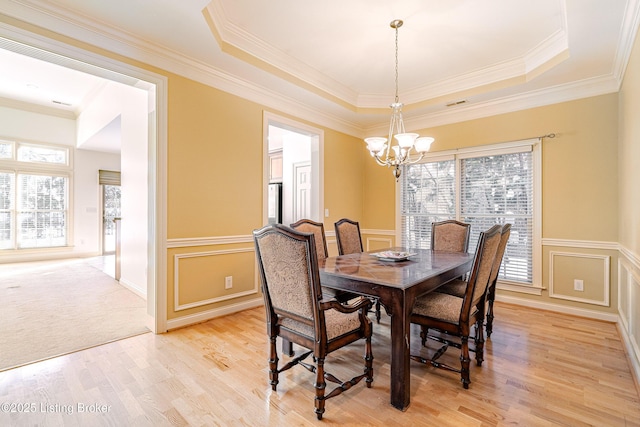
pixel 396 284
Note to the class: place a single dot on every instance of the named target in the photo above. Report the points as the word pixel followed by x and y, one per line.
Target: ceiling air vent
pixel 452 104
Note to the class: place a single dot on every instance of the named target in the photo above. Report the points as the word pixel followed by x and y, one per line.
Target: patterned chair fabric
pixel 317 228
pixel 455 316
pixel 348 236
pixel 297 312
pixel 450 235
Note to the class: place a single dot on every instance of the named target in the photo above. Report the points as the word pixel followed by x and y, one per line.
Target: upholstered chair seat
pixel 337 324
pixel 439 306
pixel 456 287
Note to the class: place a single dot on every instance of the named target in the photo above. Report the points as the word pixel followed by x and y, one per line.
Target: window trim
pixel 535 145
pixel 18 167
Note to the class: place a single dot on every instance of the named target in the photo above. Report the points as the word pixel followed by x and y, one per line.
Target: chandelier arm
pixel 379 161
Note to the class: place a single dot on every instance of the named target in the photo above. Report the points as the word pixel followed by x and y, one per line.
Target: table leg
pixel 287 348
pixel 400 342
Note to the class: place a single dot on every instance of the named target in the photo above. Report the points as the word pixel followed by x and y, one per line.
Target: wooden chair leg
pixel 368 362
pixel 479 342
pixel 320 386
pixel 464 361
pixel 424 331
pixel 491 296
pixel 273 363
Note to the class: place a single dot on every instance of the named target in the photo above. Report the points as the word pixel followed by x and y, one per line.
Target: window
pixel 428 195
pixel 482 188
pixel 34 195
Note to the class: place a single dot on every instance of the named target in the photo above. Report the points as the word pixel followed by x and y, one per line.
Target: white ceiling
pixel 332 62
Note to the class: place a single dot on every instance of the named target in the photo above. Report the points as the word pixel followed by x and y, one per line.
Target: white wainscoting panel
pixel 629 306
pixel 553 293
pixel 176 261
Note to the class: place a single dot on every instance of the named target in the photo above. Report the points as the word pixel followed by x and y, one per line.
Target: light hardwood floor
pixel 541 369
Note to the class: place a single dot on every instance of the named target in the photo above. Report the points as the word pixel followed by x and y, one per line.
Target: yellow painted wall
pixel 214 162
pixel 343 177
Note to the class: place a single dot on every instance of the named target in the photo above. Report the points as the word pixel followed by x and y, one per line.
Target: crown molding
pixel 539 98
pixel 46 15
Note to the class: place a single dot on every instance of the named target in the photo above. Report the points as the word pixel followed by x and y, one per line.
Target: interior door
pixel 302 191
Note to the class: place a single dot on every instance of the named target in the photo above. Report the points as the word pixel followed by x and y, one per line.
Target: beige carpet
pixel 50 309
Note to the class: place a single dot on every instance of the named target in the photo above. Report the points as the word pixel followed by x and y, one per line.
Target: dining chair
pixel 297 312
pixel 450 235
pixel 455 316
pixel 458 287
pixel 348 237
pixel 317 228
pixel 349 241
pixel 491 291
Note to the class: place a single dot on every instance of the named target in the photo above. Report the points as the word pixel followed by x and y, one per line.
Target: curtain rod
pixel 549 135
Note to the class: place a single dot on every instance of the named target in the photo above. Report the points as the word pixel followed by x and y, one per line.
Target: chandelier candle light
pixel 390 154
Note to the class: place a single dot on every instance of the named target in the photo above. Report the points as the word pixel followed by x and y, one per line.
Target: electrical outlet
pixel 326 213
pixel 228 282
pixel 578 285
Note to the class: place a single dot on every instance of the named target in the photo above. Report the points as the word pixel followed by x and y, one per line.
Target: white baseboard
pixel 591 314
pixel 210 314
pixel 142 293
pixel 633 354
pixel 50 255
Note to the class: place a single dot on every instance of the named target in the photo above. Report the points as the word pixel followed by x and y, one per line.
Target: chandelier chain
pixel 397 98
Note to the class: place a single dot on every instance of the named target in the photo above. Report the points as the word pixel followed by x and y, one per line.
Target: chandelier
pixel 388 152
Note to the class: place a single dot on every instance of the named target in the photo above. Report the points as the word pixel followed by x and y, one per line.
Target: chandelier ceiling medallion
pixel 395 153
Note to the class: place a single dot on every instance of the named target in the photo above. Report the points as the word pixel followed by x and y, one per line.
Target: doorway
pixel 298 151
pixel 151 251
pixel 111 196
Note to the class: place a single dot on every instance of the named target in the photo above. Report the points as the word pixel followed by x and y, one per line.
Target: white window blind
pixel 428 195
pixel 499 190
pixel 482 188
pixel 108 177
pixel 42 211
pixel 6 210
